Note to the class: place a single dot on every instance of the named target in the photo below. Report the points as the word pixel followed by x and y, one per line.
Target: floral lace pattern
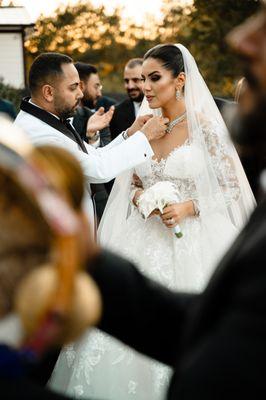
pixel 221 162
pixel 101 367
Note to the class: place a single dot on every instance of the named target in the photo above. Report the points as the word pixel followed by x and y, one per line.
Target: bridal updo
pixel 170 56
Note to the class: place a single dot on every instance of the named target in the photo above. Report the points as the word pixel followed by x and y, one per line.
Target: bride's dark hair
pixel 170 56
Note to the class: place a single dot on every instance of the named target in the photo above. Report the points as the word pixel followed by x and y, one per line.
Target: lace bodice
pixel 187 161
pixel 176 168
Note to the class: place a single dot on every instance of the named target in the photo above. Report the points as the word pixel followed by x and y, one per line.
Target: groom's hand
pixel 138 124
pixel 155 128
pixel 99 120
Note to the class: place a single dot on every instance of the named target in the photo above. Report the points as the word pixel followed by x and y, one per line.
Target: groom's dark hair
pixel 45 68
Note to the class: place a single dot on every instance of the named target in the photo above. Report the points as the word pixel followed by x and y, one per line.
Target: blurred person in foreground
pixel 244 100
pixel 43 289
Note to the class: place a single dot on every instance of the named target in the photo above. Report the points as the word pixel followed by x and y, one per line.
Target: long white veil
pixel 221 185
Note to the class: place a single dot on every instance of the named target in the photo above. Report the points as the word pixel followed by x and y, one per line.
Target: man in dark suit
pixel 126 111
pixel 92 91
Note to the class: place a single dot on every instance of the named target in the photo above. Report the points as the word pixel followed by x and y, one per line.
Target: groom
pixel 55 94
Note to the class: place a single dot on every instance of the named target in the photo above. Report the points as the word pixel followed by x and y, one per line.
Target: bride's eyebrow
pixel 151 73
pixel 154 72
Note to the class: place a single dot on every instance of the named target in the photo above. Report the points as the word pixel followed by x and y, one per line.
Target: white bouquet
pixel 157 197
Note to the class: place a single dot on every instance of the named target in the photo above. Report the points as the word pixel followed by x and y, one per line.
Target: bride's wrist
pixel 190 208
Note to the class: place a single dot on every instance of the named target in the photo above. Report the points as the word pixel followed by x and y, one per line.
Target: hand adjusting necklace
pixel 176 121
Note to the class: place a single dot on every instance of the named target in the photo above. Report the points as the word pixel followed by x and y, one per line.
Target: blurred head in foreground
pixel 249 42
pixel 41 246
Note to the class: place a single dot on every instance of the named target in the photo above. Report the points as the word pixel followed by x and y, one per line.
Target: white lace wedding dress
pixel 100 367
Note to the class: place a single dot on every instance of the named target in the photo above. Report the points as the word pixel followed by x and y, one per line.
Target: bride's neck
pixel 173 110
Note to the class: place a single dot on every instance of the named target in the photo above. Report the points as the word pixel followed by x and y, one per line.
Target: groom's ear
pixel 48 93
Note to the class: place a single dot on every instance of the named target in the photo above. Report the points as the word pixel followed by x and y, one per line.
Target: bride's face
pixel 159 85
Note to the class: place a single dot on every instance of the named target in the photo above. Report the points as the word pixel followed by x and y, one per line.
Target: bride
pixel 215 200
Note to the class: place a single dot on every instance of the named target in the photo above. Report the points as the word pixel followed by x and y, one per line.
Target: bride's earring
pixel 178 94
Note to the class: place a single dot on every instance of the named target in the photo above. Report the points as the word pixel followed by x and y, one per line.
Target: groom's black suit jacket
pixel 215 341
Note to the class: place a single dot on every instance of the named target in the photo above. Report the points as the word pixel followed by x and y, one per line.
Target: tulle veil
pixel 221 185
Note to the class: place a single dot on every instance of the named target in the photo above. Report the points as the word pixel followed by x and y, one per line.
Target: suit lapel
pixel 52 121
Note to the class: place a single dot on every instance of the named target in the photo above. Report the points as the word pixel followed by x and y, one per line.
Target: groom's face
pixel 67 93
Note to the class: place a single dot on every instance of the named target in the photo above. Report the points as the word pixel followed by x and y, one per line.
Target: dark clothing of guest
pixel 7 107
pixel 106 102
pixel 80 121
pixel 222 103
pixel 123 118
pixel 100 190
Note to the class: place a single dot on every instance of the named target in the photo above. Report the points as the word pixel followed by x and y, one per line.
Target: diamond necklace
pixel 178 119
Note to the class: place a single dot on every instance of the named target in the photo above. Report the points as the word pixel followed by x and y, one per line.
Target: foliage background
pixel 88 33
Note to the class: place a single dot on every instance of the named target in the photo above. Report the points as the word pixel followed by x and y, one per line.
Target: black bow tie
pixel 69 126
pixel 66 122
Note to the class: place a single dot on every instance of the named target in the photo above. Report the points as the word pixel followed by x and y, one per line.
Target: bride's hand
pixel 154 212
pixel 173 214
pixel 137 194
pixel 136 181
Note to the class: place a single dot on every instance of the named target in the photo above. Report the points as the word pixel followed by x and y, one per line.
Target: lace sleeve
pixel 222 162
pixel 134 187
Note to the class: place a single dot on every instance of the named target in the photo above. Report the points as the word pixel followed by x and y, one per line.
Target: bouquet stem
pixel 177 231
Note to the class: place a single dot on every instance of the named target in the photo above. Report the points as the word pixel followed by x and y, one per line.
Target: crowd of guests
pixel 55 279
